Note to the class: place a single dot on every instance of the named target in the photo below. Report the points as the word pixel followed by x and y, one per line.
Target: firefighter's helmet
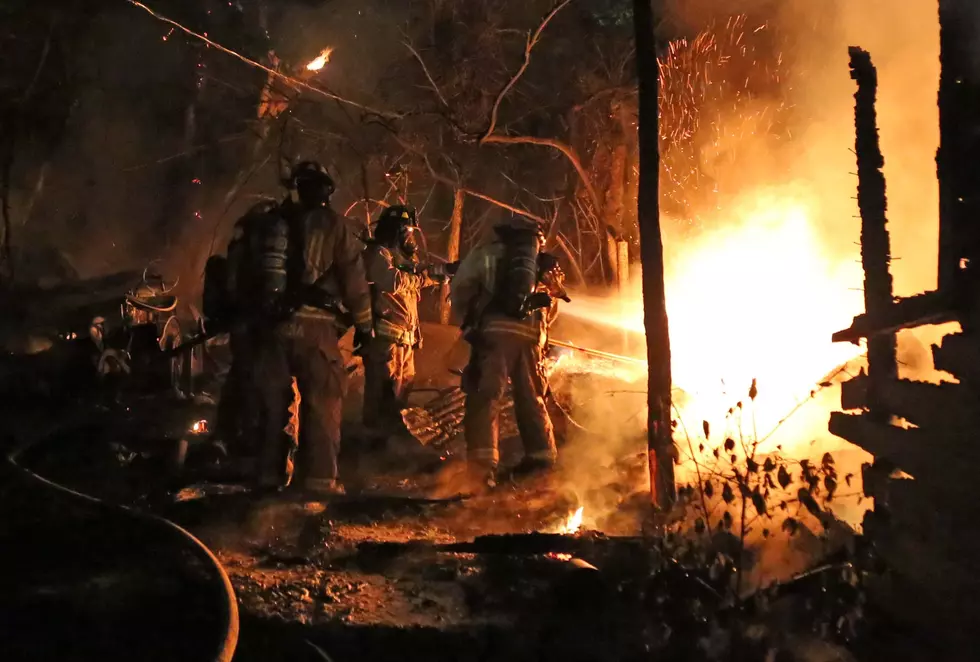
pixel 397 225
pixel 311 180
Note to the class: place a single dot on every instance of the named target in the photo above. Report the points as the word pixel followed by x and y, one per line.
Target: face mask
pixel 408 242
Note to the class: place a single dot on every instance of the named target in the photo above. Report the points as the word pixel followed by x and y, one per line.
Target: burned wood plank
pixel 934 307
pixel 930 456
pixel 959 355
pixel 947 405
pixel 875 243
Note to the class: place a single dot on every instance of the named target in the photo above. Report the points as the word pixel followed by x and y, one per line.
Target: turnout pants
pixel 389 372
pixel 494 360
pixel 304 349
pixel 235 417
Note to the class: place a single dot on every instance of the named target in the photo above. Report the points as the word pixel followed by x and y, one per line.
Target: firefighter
pixel 314 285
pixel 397 280
pixel 507 311
pixel 227 289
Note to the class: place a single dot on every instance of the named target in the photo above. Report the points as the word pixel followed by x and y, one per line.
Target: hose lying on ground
pixel 226 648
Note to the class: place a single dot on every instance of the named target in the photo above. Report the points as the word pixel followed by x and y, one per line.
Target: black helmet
pixel 397 225
pixel 312 182
pixel 517 229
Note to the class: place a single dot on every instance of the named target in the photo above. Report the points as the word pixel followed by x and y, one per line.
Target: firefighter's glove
pixel 438 273
pixel 361 339
pixel 538 300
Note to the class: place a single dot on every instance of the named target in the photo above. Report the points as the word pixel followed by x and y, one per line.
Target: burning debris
pixel 320 61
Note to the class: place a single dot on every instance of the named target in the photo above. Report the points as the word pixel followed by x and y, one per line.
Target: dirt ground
pixel 400 568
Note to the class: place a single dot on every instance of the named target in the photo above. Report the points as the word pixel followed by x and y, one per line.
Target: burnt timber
pixel 923 435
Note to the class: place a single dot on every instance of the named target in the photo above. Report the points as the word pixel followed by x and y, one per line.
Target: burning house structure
pixel 922 434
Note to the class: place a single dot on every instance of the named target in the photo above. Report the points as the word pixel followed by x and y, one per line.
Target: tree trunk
pixel 452 250
pixel 660 444
pixel 627 116
pixel 613 204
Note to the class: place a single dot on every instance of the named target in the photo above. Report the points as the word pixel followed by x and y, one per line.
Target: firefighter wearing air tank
pixel 507 291
pixel 229 295
pixel 313 288
pixel 397 280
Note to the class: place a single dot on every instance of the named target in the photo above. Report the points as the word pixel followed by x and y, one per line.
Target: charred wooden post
pixel 660 444
pixel 873 203
pixel 452 251
pixel 959 142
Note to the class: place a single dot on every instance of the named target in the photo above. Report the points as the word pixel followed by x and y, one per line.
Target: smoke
pixel 773 268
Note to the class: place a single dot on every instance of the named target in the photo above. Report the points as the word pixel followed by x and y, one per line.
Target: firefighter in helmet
pixel 228 293
pixel 508 293
pixel 315 288
pixel 397 279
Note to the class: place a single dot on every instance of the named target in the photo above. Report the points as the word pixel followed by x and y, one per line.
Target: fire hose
pixel 229 640
pixel 619 358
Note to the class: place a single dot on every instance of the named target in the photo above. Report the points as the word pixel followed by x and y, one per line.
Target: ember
pixel 320 61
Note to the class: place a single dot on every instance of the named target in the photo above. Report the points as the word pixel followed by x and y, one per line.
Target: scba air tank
pixel 273 258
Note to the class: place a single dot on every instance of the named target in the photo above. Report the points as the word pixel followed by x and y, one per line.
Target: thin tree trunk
pixel 452 250
pixel 660 445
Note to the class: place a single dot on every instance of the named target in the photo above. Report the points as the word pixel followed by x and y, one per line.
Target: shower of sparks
pixel 320 60
pixel 717 89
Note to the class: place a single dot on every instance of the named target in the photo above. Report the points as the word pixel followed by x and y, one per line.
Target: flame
pixel 573 523
pixel 320 60
pixel 757 298
pixel 199 427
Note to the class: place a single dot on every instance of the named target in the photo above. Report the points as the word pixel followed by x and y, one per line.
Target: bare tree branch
pixel 571 258
pixel 564 148
pixel 425 70
pixel 532 40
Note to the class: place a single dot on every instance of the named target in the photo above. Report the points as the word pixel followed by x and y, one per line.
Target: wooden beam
pixel 959 355
pixel 933 457
pixel 920 310
pixel 946 406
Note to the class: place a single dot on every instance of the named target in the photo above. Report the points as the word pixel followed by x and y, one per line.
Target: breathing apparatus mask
pixel 398 226
pixel 312 183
